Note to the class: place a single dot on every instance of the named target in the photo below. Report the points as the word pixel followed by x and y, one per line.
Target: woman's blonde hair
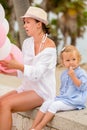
pixel 70 48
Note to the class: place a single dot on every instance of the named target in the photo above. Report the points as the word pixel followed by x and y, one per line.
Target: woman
pixel 38 70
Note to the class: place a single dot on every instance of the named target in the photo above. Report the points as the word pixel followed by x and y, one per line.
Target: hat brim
pixel 34 17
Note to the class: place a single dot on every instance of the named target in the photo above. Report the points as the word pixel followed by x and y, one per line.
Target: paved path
pixel 8 83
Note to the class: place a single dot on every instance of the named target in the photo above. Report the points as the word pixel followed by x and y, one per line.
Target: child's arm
pixel 76 81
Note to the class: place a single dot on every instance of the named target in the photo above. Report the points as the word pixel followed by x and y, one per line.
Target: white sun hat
pixel 5 49
pixel 36 13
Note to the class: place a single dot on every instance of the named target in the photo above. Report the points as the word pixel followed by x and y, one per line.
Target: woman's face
pixel 30 26
pixel 70 59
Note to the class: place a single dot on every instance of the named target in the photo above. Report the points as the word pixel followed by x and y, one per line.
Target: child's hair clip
pixel 63 49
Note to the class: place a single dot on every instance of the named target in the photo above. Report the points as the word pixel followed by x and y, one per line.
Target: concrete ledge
pixel 70 120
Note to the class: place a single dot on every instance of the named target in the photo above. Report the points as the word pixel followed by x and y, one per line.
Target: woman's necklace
pixel 42 42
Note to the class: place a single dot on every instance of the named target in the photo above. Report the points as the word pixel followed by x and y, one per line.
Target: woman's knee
pixel 4 105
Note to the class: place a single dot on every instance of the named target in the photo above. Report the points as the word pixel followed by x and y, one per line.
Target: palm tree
pixel 72 21
pixel 20 7
pixel 13 10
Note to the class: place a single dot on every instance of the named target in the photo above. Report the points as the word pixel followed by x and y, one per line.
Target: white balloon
pixel 2 13
pixel 5 49
pixel 6 25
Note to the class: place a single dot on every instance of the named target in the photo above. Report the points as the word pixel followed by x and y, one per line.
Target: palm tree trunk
pixel 20 7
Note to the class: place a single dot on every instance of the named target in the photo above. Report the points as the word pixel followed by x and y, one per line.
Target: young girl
pixel 73 90
pixel 38 70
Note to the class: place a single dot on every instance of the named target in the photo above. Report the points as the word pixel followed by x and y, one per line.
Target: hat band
pixel 35 17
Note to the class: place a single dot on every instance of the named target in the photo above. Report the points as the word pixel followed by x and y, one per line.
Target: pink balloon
pixel 2 35
pixel 17 54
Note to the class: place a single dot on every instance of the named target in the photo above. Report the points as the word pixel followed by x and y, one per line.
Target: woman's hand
pixel 12 64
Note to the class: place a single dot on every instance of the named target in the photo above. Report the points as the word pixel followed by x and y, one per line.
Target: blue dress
pixel 71 94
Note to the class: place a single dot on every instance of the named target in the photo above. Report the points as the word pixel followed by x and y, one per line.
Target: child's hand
pixel 74 78
pixel 71 71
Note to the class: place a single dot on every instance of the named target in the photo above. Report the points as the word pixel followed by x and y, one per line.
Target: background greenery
pixel 70 18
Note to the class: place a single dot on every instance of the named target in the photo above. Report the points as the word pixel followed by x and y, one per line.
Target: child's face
pixel 70 59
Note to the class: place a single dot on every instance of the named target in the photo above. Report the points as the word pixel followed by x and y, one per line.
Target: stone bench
pixel 70 120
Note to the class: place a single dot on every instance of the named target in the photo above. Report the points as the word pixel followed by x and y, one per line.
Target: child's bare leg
pixel 48 116
pixel 38 119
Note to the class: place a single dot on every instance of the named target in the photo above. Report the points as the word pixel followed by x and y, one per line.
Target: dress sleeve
pixel 83 78
pixel 45 62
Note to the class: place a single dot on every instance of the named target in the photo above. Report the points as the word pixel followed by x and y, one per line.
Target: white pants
pixel 55 106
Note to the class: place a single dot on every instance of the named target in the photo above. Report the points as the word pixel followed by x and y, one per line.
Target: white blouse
pixel 39 70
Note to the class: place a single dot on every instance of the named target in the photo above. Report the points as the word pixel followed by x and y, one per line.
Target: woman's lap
pixel 23 101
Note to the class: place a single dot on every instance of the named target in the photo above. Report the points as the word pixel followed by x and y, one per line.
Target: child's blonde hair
pixel 70 48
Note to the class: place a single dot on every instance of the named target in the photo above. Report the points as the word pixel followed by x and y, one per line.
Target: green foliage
pixel 57 6
pixel 71 9
pixel 8 9
pixel 85 17
pixel 5 5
